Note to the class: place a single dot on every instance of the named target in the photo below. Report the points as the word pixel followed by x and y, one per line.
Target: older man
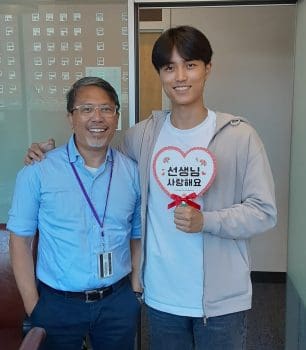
pixel 74 197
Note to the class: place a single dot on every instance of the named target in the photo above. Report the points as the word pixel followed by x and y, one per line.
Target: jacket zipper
pixel 203 296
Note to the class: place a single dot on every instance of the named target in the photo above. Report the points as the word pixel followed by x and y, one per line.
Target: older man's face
pixel 95 130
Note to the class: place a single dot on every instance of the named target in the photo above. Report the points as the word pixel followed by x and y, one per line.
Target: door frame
pixel 134 26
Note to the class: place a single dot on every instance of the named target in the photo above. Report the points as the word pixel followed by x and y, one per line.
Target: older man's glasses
pixel 89 110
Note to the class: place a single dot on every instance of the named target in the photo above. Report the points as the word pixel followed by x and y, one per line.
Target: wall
pixel 296 288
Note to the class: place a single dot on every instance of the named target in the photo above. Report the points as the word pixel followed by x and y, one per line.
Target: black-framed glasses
pixel 88 110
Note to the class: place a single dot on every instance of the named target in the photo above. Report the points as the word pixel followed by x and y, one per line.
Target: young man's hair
pixel 190 43
pixel 91 81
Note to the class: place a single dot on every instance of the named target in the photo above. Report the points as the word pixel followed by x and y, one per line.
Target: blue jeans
pixel 172 332
pixel 110 322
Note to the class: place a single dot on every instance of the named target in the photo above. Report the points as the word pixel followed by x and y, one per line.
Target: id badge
pixel 105 264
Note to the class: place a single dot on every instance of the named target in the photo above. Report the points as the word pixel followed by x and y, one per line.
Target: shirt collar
pixel 74 153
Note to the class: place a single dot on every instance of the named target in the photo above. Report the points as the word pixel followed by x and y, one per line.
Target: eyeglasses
pixel 89 110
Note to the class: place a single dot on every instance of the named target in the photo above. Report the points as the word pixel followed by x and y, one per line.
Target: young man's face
pixel 93 132
pixel 183 81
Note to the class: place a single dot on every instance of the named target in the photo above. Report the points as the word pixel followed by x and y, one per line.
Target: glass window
pixel 56 51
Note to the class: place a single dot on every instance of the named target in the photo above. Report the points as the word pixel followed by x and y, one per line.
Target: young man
pixel 195 262
pixel 74 198
pixel 196 270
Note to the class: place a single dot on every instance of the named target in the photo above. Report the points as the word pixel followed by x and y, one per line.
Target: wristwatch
pixel 139 296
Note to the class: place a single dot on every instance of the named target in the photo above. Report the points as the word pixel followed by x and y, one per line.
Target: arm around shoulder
pixel 36 152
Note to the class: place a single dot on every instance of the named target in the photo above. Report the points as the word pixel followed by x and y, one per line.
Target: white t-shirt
pixel 174 276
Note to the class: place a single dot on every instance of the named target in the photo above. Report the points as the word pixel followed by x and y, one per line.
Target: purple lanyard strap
pixel 93 209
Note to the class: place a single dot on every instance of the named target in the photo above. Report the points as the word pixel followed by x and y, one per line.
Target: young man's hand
pixel 37 151
pixel 188 219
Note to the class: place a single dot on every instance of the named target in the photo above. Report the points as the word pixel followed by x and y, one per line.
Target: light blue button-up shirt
pixel 48 197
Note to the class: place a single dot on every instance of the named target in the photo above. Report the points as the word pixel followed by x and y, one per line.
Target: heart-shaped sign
pixel 182 174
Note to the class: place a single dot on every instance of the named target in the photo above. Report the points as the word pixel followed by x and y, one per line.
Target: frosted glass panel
pixel 296 286
pixel 43 50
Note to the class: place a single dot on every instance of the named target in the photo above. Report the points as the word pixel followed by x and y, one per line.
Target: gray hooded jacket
pixel 239 204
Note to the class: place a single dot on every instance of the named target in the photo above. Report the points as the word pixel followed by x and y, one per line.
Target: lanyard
pixel 93 209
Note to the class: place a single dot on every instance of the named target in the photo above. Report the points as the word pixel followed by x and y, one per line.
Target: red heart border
pixel 184 154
